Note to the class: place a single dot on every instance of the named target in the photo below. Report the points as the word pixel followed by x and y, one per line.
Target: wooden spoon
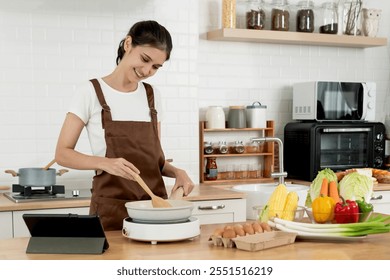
pixel 157 201
pixel 49 164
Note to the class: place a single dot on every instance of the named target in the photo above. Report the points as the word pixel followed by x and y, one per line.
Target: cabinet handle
pixel 379 197
pixel 213 207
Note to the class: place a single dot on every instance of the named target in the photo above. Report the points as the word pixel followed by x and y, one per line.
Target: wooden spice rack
pixel 295 38
pixel 267 152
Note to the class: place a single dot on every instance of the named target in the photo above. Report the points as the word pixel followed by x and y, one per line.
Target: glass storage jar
pixel 208 148
pixel 329 18
pixel 352 11
pixel 280 15
pixel 255 15
pixel 228 13
pixel 305 16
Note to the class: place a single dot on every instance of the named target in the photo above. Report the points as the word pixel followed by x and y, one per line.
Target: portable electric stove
pixel 56 192
pixel 161 232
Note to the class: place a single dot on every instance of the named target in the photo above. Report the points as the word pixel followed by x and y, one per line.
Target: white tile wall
pixel 48 46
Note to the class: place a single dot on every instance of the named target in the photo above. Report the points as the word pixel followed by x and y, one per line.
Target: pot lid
pixel 256 105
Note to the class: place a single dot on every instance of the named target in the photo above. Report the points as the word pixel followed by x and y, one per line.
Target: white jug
pixel 215 117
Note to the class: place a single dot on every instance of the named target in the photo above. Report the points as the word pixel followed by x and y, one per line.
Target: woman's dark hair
pixel 149 33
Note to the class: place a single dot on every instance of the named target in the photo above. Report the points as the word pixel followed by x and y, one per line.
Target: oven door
pixel 341 148
pixel 341 101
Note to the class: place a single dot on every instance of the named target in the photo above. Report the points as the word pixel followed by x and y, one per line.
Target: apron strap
pixel 150 96
pixel 106 111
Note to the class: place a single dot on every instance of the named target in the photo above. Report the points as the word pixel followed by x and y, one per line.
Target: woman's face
pixel 141 62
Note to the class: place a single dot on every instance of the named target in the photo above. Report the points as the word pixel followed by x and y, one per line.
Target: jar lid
pixel 236 107
pixel 256 105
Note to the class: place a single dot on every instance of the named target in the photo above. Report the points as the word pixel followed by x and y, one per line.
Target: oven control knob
pixel 75 193
pixel 378 161
pixel 379 136
pixel 370 105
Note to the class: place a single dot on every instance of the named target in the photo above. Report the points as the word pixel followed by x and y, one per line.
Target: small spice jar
pixel 208 148
pixel 329 19
pixel 211 169
pixel 239 147
pixel 255 15
pixel 305 16
pixel 229 13
pixel 280 15
pixel 222 147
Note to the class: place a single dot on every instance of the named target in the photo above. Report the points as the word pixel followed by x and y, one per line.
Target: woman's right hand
pixel 120 167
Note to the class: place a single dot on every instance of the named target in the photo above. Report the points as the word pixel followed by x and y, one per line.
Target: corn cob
pixel 277 201
pixel 290 207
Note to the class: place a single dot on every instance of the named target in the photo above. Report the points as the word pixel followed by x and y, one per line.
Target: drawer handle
pixel 379 197
pixel 213 207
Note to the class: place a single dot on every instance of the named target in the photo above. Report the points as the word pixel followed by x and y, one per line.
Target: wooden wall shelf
pixel 296 38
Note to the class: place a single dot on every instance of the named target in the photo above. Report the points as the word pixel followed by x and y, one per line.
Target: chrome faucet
pixel 281 174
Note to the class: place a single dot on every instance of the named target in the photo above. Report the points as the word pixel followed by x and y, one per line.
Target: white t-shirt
pixel 125 106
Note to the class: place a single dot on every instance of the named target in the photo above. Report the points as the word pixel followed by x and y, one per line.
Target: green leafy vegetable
pixel 315 186
pixel 375 225
pixel 355 186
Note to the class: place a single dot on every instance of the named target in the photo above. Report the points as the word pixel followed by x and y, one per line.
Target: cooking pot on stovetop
pixel 37 176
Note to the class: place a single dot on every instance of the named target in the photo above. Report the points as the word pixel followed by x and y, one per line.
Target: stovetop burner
pixel 28 191
pixel 45 193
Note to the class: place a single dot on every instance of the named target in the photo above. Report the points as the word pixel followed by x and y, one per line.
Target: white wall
pixel 49 46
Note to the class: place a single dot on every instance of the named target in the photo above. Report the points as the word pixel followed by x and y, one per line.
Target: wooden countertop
pixel 200 192
pixel 373 247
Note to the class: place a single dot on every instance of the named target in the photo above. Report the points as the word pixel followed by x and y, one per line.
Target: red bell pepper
pixel 346 211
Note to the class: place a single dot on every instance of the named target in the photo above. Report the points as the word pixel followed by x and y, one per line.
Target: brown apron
pixel 137 142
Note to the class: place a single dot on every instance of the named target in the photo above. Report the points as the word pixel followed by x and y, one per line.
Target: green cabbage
pixel 315 186
pixel 356 186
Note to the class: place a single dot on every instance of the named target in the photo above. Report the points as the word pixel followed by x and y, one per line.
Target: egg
pixel 257 227
pixel 248 228
pixel 239 230
pixel 229 233
pixel 265 226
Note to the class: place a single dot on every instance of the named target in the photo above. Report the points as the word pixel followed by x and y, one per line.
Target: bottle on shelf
pixel 280 15
pixel 211 169
pixel 329 19
pixel 305 16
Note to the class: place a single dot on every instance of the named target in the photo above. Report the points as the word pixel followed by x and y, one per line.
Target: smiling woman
pixel 121 115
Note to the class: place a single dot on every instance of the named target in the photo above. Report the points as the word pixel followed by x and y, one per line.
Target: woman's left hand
pixel 183 181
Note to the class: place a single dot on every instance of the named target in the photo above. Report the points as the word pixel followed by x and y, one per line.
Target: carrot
pixel 324 187
pixel 333 191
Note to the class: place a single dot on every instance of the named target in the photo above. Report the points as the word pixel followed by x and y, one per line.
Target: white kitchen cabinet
pixel 6 230
pixel 19 226
pixel 381 202
pixel 220 211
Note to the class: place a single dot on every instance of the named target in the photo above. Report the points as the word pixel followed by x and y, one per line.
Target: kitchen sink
pixel 258 194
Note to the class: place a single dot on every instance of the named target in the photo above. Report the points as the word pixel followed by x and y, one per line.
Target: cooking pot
pixel 36 176
pixel 143 211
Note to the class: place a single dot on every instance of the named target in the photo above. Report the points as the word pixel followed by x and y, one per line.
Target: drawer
pixel 220 211
pixel 381 202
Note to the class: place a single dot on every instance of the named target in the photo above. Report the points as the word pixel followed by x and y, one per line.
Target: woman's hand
pixel 183 181
pixel 120 167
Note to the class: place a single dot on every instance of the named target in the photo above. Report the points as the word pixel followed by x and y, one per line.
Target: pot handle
pixel 12 172
pixel 62 171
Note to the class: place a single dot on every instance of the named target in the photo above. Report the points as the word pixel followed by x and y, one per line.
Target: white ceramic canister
pixel 256 115
pixel 215 117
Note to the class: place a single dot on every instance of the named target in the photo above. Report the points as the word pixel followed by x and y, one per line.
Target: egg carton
pixel 257 241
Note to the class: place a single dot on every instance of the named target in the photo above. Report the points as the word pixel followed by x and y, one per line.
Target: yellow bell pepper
pixel 323 209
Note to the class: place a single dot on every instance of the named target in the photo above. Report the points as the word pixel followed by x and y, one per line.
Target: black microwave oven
pixel 310 147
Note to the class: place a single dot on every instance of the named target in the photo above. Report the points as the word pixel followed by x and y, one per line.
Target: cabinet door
pixel 220 211
pixel 20 228
pixel 381 202
pixel 6 225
